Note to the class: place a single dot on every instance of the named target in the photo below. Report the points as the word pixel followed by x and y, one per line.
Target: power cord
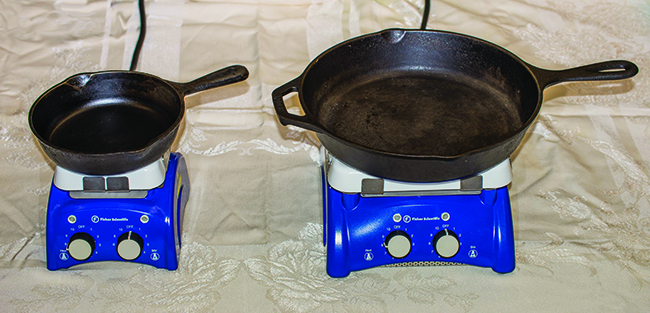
pixel 425 15
pixel 143 32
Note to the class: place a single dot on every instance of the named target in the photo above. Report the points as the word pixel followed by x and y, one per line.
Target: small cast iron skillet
pixel 111 122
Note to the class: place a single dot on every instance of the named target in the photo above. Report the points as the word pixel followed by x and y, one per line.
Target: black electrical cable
pixel 143 32
pixel 425 14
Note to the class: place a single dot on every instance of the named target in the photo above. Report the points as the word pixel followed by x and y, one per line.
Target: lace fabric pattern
pixel 252 231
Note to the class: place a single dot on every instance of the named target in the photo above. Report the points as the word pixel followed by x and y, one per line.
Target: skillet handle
pixel 610 70
pixel 225 76
pixel 284 116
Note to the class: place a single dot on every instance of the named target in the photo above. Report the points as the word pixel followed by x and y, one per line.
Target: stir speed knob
pixel 81 246
pixel 446 243
pixel 398 244
pixel 129 246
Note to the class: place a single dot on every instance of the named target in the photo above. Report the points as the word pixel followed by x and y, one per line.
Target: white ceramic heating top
pixel 145 178
pixel 346 179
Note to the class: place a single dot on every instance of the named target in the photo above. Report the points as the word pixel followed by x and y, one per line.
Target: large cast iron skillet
pixel 421 105
pixel 112 122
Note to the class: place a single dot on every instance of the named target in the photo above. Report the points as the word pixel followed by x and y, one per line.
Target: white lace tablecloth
pixel 252 234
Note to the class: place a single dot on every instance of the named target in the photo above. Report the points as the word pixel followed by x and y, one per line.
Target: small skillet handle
pixel 610 70
pixel 284 116
pixel 225 76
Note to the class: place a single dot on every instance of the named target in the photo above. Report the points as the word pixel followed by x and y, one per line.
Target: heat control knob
pixel 446 243
pixel 129 246
pixel 81 246
pixel 398 244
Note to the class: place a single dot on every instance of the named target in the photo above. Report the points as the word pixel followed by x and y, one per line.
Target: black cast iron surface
pixel 415 113
pixel 112 122
pixel 420 105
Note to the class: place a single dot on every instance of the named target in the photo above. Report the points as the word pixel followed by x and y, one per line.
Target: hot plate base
pixel 143 229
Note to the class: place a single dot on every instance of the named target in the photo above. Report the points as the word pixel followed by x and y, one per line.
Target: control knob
pixel 446 243
pixel 81 246
pixel 129 246
pixel 398 244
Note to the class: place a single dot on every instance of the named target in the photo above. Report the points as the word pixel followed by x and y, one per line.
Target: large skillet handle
pixel 610 70
pixel 283 115
pixel 225 76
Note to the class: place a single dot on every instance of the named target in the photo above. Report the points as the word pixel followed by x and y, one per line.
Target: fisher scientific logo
pixel 96 219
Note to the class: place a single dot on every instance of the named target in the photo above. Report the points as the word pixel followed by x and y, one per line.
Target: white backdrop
pixel 252 234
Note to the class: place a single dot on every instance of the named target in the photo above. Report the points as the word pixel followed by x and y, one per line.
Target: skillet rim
pixel 523 128
pixel 143 150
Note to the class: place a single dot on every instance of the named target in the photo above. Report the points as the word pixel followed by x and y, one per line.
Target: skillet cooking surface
pixel 110 125
pixel 420 113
